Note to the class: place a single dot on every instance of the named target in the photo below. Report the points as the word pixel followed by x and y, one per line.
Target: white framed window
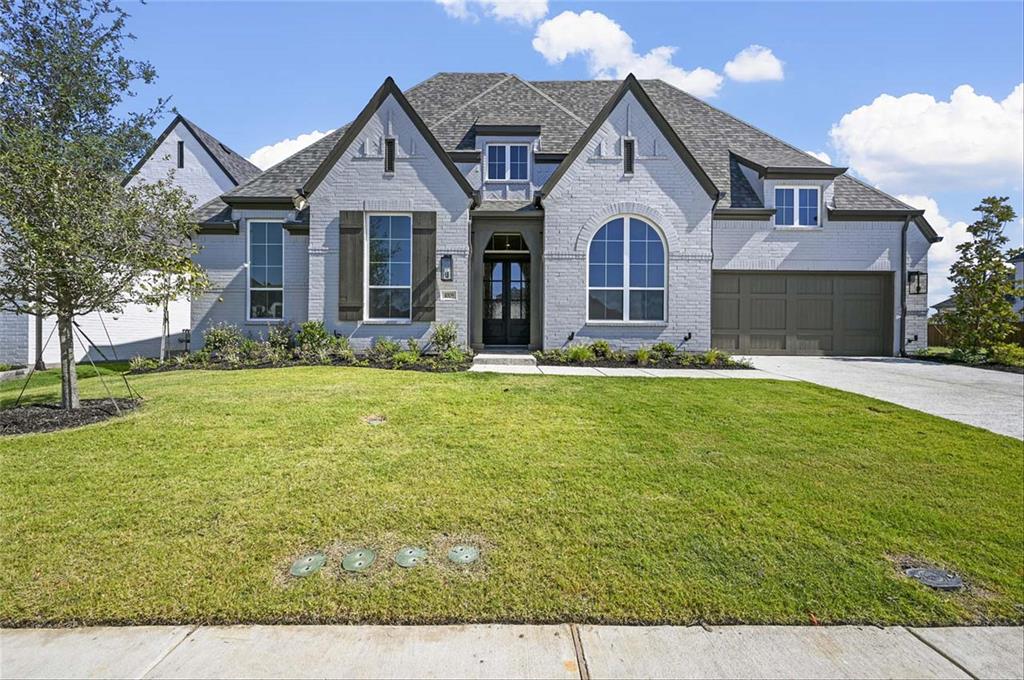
pixel 797 207
pixel 508 163
pixel 388 267
pixel 265 264
pixel 626 272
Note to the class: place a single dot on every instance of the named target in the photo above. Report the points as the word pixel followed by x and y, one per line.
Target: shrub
pixel 579 354
pixel 665 349
pixel 222 336
pixel 383 350
pixel 688 359
pixel 444 337
pixel 280 337
pixel 341 350
pixel 413 346
pixel 1007 354
pixel 5 367
pixel 404 358
pixel 601 349
pixel 455 356
pixel 967 356
pixel 643 356
pixel 313 337
pixel 138 363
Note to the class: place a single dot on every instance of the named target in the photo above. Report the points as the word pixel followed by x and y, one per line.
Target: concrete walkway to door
pixel 993 400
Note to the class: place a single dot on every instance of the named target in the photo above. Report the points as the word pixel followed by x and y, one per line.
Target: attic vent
pixel 628 155
pixel 389 154
pixel 226 149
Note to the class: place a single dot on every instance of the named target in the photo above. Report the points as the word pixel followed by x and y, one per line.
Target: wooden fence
pixel 937 335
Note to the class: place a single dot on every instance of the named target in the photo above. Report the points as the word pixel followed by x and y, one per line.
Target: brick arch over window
pixel 650 214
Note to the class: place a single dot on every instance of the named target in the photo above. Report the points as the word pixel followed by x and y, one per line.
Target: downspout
pixel 711 264
pixel 903 287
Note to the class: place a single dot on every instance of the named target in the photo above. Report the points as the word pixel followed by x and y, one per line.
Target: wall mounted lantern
pixel 446 267
pixel 918 282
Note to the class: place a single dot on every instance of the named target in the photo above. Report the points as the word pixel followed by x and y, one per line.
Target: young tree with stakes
pixel 73 238
pixel 983 287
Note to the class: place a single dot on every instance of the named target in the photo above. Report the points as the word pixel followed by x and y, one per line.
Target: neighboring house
pixel 1018 302
pixel 205 168
pixel 546 213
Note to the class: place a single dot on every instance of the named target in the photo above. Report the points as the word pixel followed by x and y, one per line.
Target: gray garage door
pixel 805 313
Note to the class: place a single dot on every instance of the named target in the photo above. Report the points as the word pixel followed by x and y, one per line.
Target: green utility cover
pixel 464 554
pixel 310 564
pixel 358 560
pixel 409 556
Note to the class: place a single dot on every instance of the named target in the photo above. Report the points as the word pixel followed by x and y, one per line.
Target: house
pixel 205 168
pixel 544 213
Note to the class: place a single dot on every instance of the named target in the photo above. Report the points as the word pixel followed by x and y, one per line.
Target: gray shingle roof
pixel 214 210
pixel 452 103
pixel 238 168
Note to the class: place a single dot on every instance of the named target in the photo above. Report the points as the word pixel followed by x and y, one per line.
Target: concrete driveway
pixel 993 400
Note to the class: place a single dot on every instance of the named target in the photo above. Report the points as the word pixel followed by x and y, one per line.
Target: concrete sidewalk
pixel 509 651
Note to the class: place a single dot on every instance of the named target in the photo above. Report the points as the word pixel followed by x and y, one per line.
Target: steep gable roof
pixel 452 104
pixel 632 86
pixel 237 168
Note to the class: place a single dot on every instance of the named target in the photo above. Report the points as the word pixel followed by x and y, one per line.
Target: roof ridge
pixel 470 101
pixel 192 124
pixel 551 99
pixel 741 121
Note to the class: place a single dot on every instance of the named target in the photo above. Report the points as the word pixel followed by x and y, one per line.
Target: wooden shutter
pixel 350 262
pixel 424 265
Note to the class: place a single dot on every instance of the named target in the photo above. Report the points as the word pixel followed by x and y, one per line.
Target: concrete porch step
pixel 504 359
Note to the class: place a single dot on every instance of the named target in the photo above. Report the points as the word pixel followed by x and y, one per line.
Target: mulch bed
pixel 50 417
pixel 989 367
pixel 667 363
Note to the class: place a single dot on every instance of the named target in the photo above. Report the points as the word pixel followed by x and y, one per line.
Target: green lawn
pixel 602 500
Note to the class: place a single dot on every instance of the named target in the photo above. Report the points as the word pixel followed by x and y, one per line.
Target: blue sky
pixel 255 74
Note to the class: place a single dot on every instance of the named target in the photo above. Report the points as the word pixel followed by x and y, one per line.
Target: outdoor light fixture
pixel 446 267
pixel 918 282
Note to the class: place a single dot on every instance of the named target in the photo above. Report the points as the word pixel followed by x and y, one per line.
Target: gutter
pixel 903 285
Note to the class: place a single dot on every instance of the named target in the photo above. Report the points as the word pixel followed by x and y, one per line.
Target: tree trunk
pixel 40 364
pixel 165 331
pixel 68 377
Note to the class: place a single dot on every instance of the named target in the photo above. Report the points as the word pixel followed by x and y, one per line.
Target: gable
pixel 201 176
pixel 377 120
pixel 629 100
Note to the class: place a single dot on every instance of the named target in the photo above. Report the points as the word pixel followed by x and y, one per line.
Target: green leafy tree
pixel 983 285
pixel 73 238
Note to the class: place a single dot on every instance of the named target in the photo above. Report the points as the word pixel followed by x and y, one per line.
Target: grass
pixel 601 500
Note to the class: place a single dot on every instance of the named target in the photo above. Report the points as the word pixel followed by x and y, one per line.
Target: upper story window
pixel 797 206
pixel 626 272
pixel 389 154
pixel 389 268
pixel 266 270
pixel 508 162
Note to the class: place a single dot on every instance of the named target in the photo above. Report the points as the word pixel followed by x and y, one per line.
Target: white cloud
pixel 942 254
pixel 272 154
pixel 821 156
pixel 916 143
pixel 609 52
pixel 519 11
pixel 754 63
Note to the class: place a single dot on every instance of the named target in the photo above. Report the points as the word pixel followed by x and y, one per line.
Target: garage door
pixel 802 313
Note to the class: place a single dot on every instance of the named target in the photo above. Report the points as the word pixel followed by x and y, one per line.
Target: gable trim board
pixel 387 89
pixel 631 85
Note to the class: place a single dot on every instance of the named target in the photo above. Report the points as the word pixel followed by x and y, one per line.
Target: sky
pixel 924 100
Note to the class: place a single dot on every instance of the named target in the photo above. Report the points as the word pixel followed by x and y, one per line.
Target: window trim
pixel 248 273
pixel 366 269
pixel 626 288
pixel 508 162
pixel 795 188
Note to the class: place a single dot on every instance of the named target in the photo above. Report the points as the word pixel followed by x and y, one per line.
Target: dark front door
pixel 506 300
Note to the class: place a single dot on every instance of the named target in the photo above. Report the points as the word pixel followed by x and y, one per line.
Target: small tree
pixel 73 238
pixel 983 285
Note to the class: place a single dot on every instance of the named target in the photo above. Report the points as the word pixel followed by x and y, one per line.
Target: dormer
pixel 507 160
pixel 790 196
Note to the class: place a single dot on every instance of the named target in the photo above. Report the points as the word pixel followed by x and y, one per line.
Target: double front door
pixel 506 300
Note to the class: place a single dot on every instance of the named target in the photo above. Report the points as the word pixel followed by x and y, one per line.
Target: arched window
pixel 626 272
